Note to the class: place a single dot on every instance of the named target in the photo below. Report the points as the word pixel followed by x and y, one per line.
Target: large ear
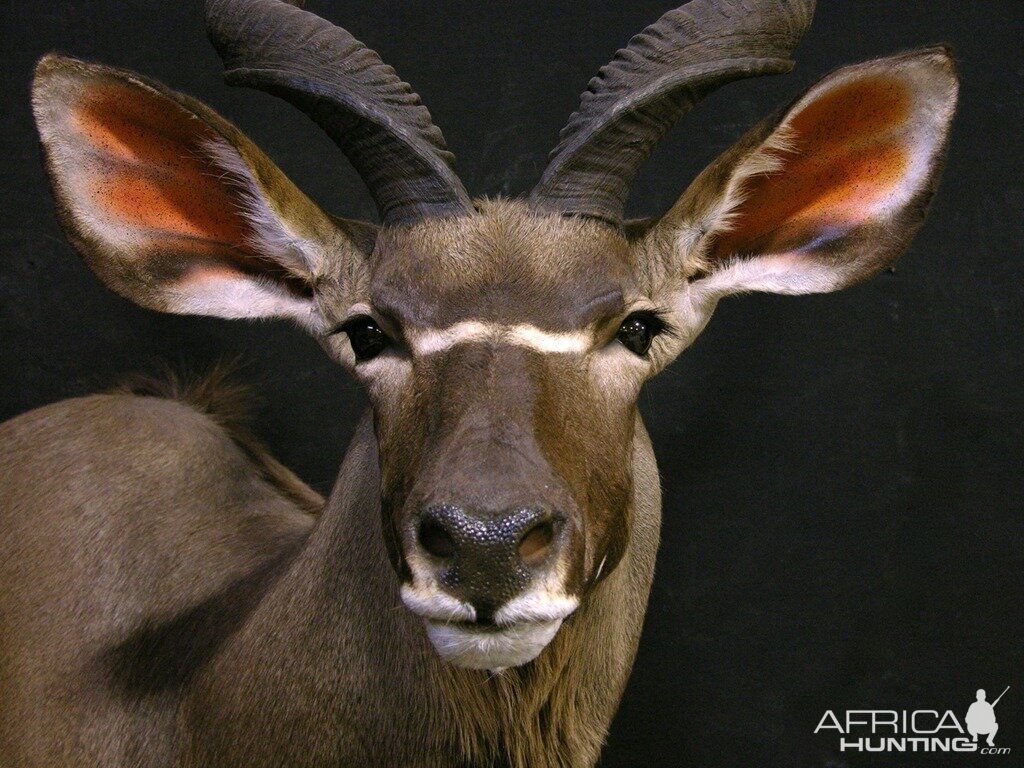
pixel 825 193
pixel 172 206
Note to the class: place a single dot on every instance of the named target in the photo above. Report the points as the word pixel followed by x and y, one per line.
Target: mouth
pixel 490 647
pixel 518 634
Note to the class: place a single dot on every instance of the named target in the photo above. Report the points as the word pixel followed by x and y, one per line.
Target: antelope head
pixel 503 344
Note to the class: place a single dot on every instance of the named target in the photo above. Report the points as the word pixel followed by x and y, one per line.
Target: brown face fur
pixel 492 421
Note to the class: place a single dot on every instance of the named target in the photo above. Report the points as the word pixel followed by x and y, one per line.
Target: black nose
pixel 487 558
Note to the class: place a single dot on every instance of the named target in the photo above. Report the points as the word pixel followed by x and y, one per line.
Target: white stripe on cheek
pixel 428 342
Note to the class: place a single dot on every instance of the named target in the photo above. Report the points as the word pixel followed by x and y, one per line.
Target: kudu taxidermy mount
pixel 473 590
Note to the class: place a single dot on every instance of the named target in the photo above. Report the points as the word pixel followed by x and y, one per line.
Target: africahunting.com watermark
pixel 918 730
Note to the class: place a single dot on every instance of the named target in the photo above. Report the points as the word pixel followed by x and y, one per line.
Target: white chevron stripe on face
pixel 433 340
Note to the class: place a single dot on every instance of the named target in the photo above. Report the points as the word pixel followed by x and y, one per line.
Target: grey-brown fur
pixel 277 638
pixel 220 395
pixel 169 599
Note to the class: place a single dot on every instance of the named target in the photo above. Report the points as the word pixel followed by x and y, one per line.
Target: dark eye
pixel 638 331
pixel 366 337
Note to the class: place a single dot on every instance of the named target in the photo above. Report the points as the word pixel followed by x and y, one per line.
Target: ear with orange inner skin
pixel 172 206
pixel 822 195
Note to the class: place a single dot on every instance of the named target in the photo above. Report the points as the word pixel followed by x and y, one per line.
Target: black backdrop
pixel 842 474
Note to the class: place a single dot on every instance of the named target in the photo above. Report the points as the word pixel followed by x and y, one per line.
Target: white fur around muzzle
pixel 465 646
pixel 524 627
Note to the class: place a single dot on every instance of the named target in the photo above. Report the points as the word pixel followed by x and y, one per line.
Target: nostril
pixel 535 545
pixel 436 540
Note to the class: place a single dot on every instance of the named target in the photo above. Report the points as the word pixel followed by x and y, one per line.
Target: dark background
pixel 842 474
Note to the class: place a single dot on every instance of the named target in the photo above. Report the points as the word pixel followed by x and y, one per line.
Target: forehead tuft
pixel 506 263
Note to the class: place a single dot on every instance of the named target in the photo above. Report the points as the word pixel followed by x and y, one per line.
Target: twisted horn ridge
pixel 375 119
pixel 654 81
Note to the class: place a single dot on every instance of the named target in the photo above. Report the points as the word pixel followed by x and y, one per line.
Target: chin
pixel 492 648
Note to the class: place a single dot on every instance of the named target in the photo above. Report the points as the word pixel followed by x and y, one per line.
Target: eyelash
pixel 365 337
pixel 638 330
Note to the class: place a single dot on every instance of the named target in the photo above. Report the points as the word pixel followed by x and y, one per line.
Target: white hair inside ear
pixel 822 195
pixel 172 206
